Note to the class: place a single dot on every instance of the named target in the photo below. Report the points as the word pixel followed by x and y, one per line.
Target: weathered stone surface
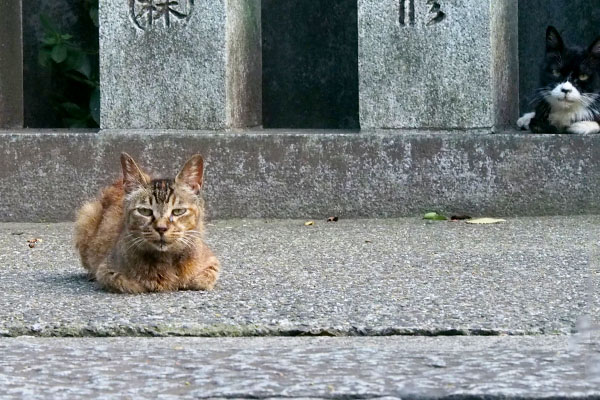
pixel 45 176
pixel 577 20
pixel 437 64
pixel 296 368
pixel 528 276
pixel 11 65
pixel 197 67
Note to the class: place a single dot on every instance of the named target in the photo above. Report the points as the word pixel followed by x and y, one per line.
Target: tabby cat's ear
pixel 554 43
pixel 191 173
pixel 133 177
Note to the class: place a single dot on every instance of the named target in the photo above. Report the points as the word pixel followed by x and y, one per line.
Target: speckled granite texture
pixel 199 71
pixel 301 174
pixel 330 368
pixel 442 64
pixel 353 277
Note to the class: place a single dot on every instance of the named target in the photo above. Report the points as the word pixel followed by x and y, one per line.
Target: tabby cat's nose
pixel 161 229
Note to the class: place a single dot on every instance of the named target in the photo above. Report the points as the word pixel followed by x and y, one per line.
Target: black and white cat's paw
pixel 584 127
pixel 525 120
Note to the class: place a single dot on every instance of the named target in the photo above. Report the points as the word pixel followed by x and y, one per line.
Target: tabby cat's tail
pixel 87 222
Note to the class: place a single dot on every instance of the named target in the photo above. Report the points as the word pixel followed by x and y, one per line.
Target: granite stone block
pixel 437 64
pixel 189 65
pixel 11 64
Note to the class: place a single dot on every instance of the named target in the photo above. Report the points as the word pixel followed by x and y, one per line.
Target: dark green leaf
pixel 44 57
pixel 75 123
pixel 59 53
pixel 66 37
pixel 94 16
pixel 74 60
pixel 74 110
pixel 84 67
pixel 95 105
pixel 47 24
pixel 49 41
pixel 76 76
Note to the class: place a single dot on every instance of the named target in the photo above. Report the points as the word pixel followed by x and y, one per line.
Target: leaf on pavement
pixel 485 221
pixel 433 216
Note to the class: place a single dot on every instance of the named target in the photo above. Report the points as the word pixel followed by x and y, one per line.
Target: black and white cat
pixel 569 97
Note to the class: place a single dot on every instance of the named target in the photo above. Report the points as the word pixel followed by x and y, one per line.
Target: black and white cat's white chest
pixel 568 99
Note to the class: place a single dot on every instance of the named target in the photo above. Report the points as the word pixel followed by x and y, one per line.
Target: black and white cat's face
pixel 570 76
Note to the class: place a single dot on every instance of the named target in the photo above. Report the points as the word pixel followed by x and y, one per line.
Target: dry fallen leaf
pixel 459 217
pixel 32 242
pixel 309 223
pixel 485 221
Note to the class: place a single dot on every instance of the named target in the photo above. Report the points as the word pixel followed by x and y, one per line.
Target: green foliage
pixel 433 216
pixel 74 72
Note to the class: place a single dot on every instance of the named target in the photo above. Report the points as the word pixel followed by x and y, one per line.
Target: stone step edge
pixel 310 174
pixel 254 330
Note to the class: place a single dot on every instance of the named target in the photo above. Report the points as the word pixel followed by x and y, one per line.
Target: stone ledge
pixel 295 368
pixel 46 175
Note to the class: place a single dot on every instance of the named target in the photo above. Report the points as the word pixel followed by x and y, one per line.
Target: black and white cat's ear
pixel 192 173
pixel 594 49
pixel 133 177
pixel 554 43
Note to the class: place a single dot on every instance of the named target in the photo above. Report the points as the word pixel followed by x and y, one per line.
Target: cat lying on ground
pixel 569 96
pixel 145 235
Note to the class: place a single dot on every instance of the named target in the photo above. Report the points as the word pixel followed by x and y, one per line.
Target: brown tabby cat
pixel 145 235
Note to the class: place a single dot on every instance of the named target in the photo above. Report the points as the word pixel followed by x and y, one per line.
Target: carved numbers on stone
pixel 148 13
pixel 407 12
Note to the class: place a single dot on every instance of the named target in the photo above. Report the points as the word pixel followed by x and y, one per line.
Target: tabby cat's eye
pixel 556 73
pixel 179 211
pixel 583 77
pixel 146 212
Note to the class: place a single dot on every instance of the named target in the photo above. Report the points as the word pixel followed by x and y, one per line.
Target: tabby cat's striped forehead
pixel 162 190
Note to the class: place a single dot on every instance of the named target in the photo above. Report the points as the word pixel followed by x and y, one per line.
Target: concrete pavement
pixel 353 277
pixel 435 290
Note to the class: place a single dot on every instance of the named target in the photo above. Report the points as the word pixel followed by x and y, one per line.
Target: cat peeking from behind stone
pixel 146 235
pixel 568 100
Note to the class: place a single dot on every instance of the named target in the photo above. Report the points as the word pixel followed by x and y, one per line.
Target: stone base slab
pixel 46 175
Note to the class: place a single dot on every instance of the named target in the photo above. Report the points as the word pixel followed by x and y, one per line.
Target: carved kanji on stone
pixel 436 14
pixel 147 13
pixel 408 14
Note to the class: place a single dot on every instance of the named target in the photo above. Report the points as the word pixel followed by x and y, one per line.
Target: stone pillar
pixel 193 64
pixel 449 64
pixel 11 64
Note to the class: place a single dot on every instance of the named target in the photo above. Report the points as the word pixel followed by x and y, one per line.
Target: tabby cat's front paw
pixel 584 127
pixel 114 281
pixel 205 279
pixel 525 120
